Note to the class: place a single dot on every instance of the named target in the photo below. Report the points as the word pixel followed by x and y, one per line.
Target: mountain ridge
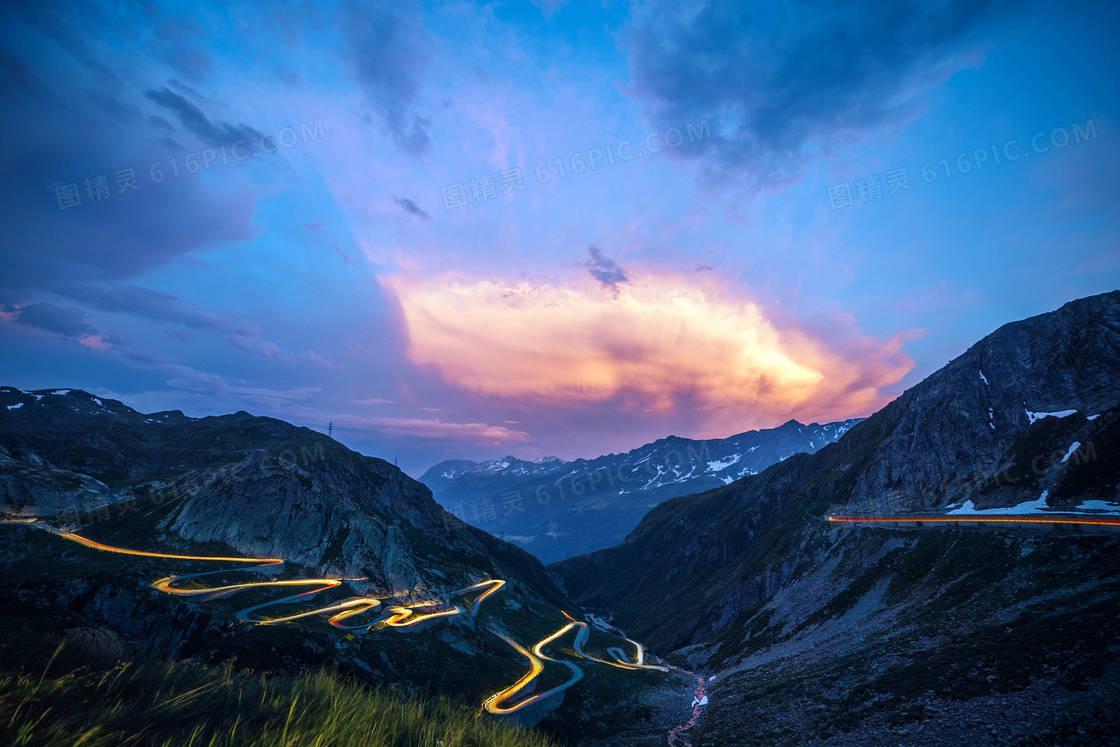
pixel 863 470
pixel 558 509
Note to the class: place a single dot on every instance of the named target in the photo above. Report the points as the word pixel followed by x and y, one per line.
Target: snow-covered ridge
pixel 78 401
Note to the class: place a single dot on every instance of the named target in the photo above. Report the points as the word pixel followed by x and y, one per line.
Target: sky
pixel 460 230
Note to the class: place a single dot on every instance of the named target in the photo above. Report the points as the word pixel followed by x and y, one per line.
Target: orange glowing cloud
pixel 659 342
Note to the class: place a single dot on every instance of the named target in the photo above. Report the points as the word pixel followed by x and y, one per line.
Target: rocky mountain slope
pixel 851 634
pixel 556 509
pixel 257 485
pixel 244 486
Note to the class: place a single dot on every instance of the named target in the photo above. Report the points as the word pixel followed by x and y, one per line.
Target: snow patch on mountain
pixel 722 464
pixel 1036 416
pixel 1036 506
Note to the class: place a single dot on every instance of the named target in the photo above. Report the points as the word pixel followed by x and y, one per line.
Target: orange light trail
pixel 621 661
pixel 971 518
pixel 142 553
pixel 396 616
pixel 494 703
pixel 495 585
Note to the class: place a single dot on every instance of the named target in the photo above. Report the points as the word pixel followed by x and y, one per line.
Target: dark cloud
pixel 117 235
pixel 132 300
pixel 771 78
pixel 66 322
pixel 411 207
pixel 69 121
pixel 193 118
pixel 153 305
pixel 605 270
pixel 388 56
pixel 190 91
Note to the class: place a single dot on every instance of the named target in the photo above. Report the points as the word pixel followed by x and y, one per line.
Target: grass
pixel 158 703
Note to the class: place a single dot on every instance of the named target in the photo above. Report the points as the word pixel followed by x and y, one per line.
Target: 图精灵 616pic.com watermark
pixel 871 188
pixel 484 188
pixel 97 188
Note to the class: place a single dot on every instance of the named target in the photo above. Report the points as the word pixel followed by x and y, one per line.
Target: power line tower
pixel 330 428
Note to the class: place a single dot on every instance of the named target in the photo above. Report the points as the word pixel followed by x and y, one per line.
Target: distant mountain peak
pixel 555 495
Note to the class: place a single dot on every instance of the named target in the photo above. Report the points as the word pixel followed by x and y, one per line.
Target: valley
pixel 561 373
pixel 909 581
pixel 556 509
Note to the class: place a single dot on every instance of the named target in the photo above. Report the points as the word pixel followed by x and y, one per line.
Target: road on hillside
pixel 1032 521
pixel 503 702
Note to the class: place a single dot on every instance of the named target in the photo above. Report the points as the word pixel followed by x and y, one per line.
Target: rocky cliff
pixel 751 583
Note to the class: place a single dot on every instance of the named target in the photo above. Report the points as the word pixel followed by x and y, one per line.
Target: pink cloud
pixel 480 434
pixel 96 342
pixel 661 344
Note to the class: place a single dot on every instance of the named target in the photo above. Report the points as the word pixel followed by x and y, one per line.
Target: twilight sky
pixel 462 230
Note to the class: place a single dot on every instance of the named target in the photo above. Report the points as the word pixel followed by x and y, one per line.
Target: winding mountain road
pixel 501 703
pixel 496 703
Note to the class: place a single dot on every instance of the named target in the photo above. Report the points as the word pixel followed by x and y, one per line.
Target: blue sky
pixel 701 290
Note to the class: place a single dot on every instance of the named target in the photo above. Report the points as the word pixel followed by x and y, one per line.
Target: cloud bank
pixel 662 343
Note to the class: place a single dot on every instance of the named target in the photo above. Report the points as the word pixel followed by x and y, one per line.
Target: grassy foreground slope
pixel 159 703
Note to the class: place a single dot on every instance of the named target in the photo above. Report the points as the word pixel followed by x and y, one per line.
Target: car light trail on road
pixel 496 703
pixel 620 659
pixel 397 616
pixel 494 586
pixel 141 553
pixel 974 519
pixel 536 659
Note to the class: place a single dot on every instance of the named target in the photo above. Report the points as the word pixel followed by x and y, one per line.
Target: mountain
pixel 557 509
pixel 443 476
pixel 817 630
pixel 134 535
